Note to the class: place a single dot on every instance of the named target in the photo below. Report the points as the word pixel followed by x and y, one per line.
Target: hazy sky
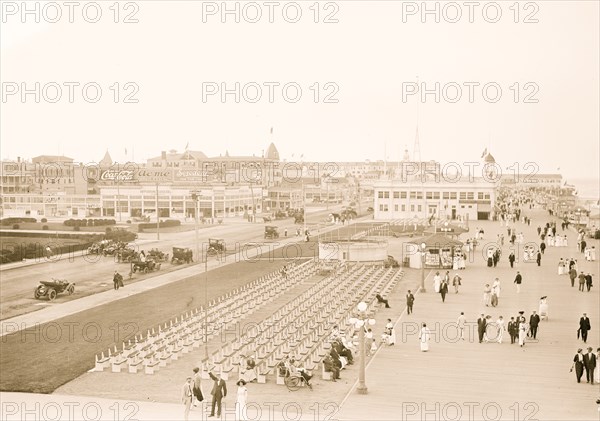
pixel 172 58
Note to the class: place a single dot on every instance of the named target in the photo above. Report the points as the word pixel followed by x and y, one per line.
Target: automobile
pixel 370 209
pixel 50 289
pixel 271 232
pixel 216 245
pixel 181 255
pixel 391 262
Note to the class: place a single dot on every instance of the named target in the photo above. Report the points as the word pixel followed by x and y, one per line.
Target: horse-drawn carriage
pixel 51 289
pixel 181 255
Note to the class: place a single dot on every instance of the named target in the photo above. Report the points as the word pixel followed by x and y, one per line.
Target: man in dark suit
pixel 578 363
pixel 584 326
pixel 589 362
pixel 481 325
pixel 218 392
pixel 588 281
pixel 410 299
pixel 572 274
pixel 534 321
pixel 513 329
pixel 511 258
pixel 382 300
pixel 518 280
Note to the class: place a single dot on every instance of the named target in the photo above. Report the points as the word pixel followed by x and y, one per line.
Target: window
pixel 413 194
pixel 429 195
pixel 470 195
pixel 446 195
pixel 463 195
pixel 385 208
pixel 419 208
pixel 396 195
pixel 412 208
pixel 419 195
pixel 480 196
pixel 386 194
pixel 436 195
pixel 487 196
pixel 381 208
pixel 380 194
pixel 403 208
pixel 453 195
pixel 402 195
pixel 396 208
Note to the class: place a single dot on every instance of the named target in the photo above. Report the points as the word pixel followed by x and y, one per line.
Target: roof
pixel 107 160
pixel 272 152
pixel 437 241
pixel 489 158
pixel 51 158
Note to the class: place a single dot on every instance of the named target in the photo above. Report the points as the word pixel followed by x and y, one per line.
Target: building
pixel 466 198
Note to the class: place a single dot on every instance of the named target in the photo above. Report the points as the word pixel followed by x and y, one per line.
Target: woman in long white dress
pixel 437 281
pixel 522 333
pixel 241 399
pixel 424 337
pixel 501 328
pixel 561 267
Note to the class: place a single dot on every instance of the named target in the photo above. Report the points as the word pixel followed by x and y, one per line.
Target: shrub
pixel 45 227
pixel 129 221
pixel 163 224
pixel 44 220
pixel 15 226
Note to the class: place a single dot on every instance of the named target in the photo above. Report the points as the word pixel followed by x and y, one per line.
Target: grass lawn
pixel 54 226
pixel 41 239
pixel 41 359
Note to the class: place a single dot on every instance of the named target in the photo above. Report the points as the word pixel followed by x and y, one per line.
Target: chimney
pixel 18 159
pixel 163 155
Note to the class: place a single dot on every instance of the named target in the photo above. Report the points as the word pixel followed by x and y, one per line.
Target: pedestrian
pixel 501 328
pixel 518 281
pixel 542 247
pixel 437 281
pixel 539 230
pixel 513 330
pixel 581 281
pixel 578 364
pixel 522 332
pixel 285 232
pixel 487 295
pixel 538 258
pixel 588 281
pixel 187 397
pixel 241 399
pixel 424 337
pixel 460 323
pixel 572 274
pixel 511 258
pixel 456 282
pixel 117 280
pixel 444 290
pixel 218 392
pixel 589 362
pixel 584 326
pixel 481 325
pixel 197 389
pixel 534 321
pixel 410 299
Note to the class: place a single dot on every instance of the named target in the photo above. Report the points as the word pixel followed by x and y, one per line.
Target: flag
pixel 271 130
pixel 187 145
pixel 484 153
pixel 125 151
pixel 558 169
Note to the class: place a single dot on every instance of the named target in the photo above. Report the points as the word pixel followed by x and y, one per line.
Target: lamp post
pixel 360 323
pixel 206 304
pixel 423 247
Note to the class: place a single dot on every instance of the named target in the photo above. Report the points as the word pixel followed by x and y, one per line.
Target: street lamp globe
pixel 372 322
pixel 423 246
pixel 362 306
pixel 352 320
pixel 359 324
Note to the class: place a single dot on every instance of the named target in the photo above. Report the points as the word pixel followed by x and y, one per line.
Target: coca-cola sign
pixel 114 175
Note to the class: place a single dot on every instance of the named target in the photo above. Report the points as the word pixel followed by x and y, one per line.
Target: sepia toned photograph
pixel 300 210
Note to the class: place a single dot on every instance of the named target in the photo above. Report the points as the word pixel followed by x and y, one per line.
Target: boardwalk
pixel 466 380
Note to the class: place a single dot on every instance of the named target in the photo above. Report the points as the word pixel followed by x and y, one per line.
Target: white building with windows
pixel 471 198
